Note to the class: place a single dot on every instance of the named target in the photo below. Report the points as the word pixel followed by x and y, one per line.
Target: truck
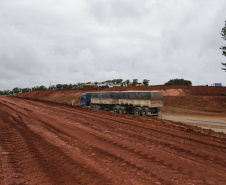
pixel 142 103
pixel 137 84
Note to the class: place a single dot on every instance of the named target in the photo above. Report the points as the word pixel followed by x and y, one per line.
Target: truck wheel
pixel 137 111
pixel 121 110
pixel 98 107
pixel 116 109
pixel 143 112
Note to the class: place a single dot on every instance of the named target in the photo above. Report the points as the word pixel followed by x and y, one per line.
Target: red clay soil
pixel 51 143
pixel 195 105
pixel 198 99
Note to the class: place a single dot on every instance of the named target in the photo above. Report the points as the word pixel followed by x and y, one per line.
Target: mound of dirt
pixel 195 98
pixel 59 96
pixel 208 105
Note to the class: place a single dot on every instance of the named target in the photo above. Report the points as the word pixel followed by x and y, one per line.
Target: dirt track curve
pixel 47 143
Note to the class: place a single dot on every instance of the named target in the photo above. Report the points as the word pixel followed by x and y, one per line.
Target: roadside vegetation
pixel 179 82
pixel 223 36
pixel 17 90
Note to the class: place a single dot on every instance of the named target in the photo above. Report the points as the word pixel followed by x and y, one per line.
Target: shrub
pixel 179 82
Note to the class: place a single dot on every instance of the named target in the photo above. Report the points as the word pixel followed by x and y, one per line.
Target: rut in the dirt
pixel 44 143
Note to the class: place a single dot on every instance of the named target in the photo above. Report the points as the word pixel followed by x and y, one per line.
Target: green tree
pixel 127 82
pixel 34 88
pixel 223 34
pixel 179 82
pixel 7 92
pixel 16 90
pixel 119 81
pixel 52 87
pixel 78 85
pixel 26 89
pixel 65 86
pixel 59 86
pixel 146 82
pixel 42 87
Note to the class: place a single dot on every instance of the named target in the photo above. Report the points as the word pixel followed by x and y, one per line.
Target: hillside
pixel 181 99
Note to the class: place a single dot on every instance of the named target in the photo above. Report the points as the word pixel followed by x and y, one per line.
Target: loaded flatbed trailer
pixel 135 102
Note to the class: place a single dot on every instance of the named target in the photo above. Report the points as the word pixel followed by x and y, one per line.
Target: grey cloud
pixel 79 41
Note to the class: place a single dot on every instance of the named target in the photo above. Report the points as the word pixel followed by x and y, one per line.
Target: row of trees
pixel 17 90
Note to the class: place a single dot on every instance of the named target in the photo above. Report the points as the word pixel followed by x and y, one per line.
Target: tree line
pixel 79 85
pixel 17 90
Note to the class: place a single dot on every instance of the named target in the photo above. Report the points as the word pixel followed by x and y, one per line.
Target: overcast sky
pixel 43 41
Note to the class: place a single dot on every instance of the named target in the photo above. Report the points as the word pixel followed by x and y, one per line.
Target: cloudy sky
pixel 43 41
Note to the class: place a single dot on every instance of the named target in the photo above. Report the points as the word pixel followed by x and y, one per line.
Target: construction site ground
pixel 45 140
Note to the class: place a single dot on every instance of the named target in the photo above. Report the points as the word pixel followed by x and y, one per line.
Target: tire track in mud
pixel 106 154
pixel 95 134
pixel 58 130
pixel 100 150
pixel 14 152
pixel 123 122
pixel 169 145
pixel 135 150
pixel 36 160
pixel 133 153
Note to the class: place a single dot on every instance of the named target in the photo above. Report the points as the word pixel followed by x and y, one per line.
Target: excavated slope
pixel 195 98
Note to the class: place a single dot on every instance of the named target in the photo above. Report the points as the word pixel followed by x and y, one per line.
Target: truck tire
pixel 137 111
pixel 98 107
pixel 116 109
pixel 144 112
pixel 121 110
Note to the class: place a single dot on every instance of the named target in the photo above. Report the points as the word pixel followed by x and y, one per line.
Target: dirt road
pixel 217 124
pixel 47 143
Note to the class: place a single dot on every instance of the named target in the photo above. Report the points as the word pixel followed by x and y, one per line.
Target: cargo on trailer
pixel 135 102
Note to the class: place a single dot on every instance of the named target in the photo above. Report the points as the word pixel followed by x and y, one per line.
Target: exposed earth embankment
pixel 181 99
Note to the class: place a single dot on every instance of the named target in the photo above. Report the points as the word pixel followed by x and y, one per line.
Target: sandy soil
pixel 50 143
pixel 218 124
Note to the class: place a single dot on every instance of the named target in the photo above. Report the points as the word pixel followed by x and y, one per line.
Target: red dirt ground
pixel 51 143
pixel 204 100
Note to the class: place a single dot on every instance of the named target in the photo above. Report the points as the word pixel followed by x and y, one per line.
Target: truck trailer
pixel 142 103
